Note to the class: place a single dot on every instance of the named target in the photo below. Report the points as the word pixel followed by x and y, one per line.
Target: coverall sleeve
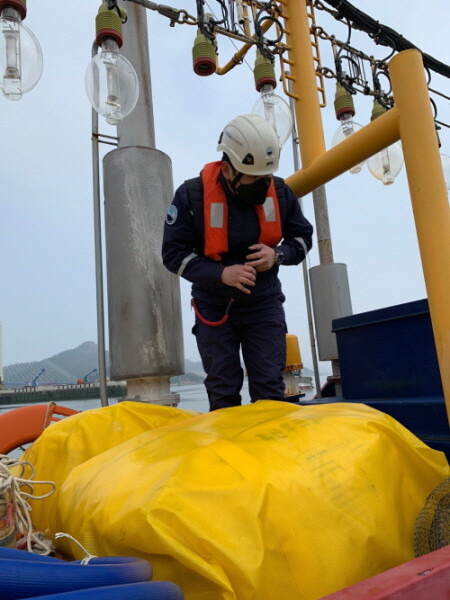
pixel 297 232
pixel 179 248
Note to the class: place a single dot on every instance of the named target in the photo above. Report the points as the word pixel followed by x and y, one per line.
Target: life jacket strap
pixel 212 323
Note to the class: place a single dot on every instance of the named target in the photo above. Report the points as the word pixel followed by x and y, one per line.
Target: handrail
pixel 411 121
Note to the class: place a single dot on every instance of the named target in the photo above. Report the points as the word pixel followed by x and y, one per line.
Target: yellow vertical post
pixel 303 76
pixel 307 110
pixel 428 196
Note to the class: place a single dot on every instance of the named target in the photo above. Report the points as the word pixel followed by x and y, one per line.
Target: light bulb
pixel 276 111
pixel 387 164
pixel 20 56
pixel 446 168
pixel 346 128
pixel 111 83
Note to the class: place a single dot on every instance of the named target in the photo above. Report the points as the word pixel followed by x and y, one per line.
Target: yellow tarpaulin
pixel 267 501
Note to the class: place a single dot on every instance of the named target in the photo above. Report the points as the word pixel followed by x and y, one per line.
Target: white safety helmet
pixel 251 144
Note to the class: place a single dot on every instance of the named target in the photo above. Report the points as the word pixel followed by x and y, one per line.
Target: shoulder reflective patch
pixel 172 214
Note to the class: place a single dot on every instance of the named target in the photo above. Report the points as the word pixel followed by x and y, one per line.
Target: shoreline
pixel 55 393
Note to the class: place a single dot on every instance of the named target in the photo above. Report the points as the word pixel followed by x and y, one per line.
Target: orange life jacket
pixel 215 214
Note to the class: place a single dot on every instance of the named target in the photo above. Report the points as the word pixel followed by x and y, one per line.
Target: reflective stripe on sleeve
pixel 186 260
pixel 301 241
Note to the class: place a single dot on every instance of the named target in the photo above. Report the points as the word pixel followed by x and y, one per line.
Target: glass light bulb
pixel 276 111
pixel 111 83
pixel 387 164
pixel 20 56
pixel 446 168
pixel 347 127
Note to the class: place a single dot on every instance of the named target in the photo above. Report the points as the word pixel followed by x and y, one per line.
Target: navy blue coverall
pixel 256 322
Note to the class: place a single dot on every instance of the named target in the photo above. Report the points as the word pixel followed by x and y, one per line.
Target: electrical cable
pixel 384 35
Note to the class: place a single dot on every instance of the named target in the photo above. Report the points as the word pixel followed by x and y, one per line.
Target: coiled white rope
pixel 88 557
pixel 14 492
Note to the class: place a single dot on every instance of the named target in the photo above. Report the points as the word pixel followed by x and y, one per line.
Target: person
pixel 227 232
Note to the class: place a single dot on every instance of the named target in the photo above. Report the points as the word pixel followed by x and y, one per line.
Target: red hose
pixel 212 323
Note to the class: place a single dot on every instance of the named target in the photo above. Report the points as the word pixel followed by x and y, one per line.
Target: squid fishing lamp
pixel 108 23
pixel 204 55
pixel 264 72
pixel 19 5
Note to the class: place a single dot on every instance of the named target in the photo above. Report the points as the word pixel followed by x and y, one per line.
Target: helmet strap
pixel 236 175
pixel 236 179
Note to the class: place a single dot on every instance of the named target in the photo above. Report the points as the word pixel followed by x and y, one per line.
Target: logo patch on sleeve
pixel 172 214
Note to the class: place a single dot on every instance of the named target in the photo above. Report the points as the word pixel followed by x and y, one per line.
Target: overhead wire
pixel 382 34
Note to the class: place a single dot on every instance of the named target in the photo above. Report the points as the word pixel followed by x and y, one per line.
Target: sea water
pixel 192 397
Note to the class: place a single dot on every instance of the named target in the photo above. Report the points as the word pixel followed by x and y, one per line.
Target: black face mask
pixel 254 193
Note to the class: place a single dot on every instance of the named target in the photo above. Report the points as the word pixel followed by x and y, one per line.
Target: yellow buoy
pixel 293 357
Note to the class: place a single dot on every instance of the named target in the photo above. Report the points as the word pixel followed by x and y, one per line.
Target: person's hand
pixel 239 276
pixel 262 257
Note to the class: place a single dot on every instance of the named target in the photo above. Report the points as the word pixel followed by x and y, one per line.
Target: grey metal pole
pixel 312 335
pixel 145 333
pixel 309 309
pixel 138 129
pixel 328 287
pixel 98 257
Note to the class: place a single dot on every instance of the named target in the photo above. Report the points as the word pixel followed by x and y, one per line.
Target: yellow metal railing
pixel 286 63
pixel 411 121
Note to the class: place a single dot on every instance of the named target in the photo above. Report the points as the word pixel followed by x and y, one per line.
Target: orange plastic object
pixel 23 425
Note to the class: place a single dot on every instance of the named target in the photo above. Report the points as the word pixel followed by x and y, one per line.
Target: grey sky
pixel 47 302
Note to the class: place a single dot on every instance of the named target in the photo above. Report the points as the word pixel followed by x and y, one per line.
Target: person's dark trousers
pixel 260 331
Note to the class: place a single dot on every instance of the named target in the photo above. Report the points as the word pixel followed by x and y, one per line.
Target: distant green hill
pixel 70 365
pixel 65 367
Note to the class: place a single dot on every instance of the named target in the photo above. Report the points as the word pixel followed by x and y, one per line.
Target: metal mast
pixel 145 336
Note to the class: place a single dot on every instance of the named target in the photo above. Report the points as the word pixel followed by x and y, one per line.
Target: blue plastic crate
pixel 388 353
